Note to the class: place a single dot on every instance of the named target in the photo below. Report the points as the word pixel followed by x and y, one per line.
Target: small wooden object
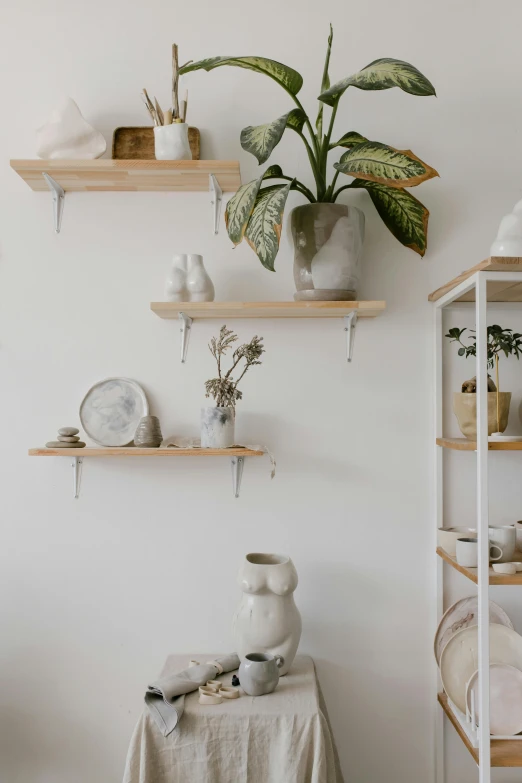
pixel 498 291
pixel 137 143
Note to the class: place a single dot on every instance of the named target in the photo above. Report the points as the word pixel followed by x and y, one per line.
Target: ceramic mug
pixel 447 537
pixel 259 673
pixel 467 552
pixel 505 537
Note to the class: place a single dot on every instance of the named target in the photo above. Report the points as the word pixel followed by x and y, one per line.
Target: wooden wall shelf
pixel 463 444
pixel 77 456
pixel 497 290
pixel 267 309
pixel 472 573
pixel 504 753
pixel 129 175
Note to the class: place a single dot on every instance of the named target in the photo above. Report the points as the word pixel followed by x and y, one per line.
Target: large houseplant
pixel 500 341
pixel 255 212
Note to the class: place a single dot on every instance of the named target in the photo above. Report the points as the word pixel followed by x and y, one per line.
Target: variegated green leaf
pixel 260 140
pixel 381 75
pixel 273 172
pixel 325 84
pixel 239 209
pixel 282 74
pixel 380 163
pixel 264 227
pixel 402 213
pixel 348 140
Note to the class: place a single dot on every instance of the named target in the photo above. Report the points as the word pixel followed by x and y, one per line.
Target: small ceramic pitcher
pixel 259 673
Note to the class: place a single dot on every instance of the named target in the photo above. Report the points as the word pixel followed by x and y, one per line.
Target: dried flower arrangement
pixel 224 388
pixel 178 111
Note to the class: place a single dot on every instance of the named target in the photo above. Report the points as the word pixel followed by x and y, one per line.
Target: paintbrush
pixel 183 107
pixel 159 112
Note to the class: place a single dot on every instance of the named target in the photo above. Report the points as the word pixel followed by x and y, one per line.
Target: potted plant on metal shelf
pixel 500 340
pixel 327 236
pixel 218 422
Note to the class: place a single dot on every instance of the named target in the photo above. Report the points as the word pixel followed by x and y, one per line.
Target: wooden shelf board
pixel 496 291
pixel 463 444
pixel 131 175
pixel 267 309
pixel 132 451
pixel 504 753
pixel 472 573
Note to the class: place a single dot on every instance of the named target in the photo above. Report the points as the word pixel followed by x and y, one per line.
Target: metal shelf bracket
pixel 238 464
pixel 77 475
pixel 58 195
pixel 350 322
pixel 186 325
pixel 217 197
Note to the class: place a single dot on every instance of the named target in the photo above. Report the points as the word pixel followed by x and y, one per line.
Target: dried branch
pixel 224 389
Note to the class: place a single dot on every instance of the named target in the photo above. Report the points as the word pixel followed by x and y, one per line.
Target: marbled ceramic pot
pixel 217 428
pixel 328 240
pixel 267 620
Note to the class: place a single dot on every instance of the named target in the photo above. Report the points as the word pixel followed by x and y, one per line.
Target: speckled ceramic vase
pixel 148 433
pixel 217 428
pixel 328 241
pixel 267 620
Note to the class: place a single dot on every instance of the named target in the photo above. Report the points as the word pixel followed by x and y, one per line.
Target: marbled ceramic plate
pixel 505 699
pixel 111 411
pixel 459 660
pixel 463 614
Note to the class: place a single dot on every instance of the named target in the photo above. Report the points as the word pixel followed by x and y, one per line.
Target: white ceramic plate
pixel 463 614
pixel 505 699
pixel 506 438
pixel 459 658
pixel 111 411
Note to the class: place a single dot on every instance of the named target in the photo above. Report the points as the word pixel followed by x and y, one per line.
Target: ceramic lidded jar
pixel 267 620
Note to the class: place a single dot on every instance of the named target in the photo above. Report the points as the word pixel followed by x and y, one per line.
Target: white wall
pixel 95 593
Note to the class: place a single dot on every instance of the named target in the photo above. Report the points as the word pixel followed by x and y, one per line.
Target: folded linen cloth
pixel 165 698
pixel 181 442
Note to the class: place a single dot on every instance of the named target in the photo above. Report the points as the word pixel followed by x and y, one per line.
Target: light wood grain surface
pixel 463 444
pixel 267 309
pixel 472 573
pixel 129 175
pixel 497 291
pixel 131 451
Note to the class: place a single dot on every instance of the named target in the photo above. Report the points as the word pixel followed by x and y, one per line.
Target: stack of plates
pixel 456 651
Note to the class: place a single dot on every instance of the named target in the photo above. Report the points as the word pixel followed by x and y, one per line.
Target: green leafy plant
pixel 255 212
pixel 500 340
pixel 224 388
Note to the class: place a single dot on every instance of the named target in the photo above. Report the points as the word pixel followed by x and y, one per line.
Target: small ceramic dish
pixel 505 568
pixel 214 685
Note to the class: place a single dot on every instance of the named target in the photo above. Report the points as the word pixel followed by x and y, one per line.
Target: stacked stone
pixel 67 439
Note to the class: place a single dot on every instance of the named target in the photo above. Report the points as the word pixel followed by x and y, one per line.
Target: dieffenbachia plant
pixel 255 212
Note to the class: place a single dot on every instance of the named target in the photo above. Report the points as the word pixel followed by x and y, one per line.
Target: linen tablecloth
pixel 283 737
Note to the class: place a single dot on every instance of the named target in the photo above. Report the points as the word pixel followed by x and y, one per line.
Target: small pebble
pixel 68 431
pixel 68 438
pixel 56 444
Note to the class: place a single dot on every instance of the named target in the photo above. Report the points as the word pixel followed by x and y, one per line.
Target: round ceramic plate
pixel 111 411
pixel 507 438
pixel 461 615
pixel 505 699
pixel 459 658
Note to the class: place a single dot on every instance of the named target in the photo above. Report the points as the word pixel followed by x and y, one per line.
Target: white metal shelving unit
pixel 495 280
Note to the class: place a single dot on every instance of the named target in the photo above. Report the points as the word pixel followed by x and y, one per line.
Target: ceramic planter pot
pixel 171 142
pixel 267 620
pixel 328 240
pixel 217 428
pixel 465 409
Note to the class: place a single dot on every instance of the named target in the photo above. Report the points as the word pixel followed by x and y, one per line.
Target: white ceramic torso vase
pixel 176 282
pixel 267 620
pixel 199 284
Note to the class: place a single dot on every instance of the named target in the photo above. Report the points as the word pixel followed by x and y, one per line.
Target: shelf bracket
pixel 350 322
pixel 77 475
pixel 238 464
pixel 217 197
pixel 58 195
pixel 186 325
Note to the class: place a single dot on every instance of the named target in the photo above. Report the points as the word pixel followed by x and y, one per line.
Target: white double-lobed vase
pixel 188 280
pixel 267 620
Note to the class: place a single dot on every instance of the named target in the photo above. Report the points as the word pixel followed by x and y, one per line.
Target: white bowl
pixel 505 568
pixel 447 537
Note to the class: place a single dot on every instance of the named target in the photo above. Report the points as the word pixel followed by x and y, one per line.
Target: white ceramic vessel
pixel 171 142
pixel 217 428
pixel 176 282
pixel 504 536
pixel 267 620
pixel 509 237
pixel 199 285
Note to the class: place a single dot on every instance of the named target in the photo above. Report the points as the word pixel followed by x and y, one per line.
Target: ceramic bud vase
pixel 328 240
pixel 176 282
pixel 267 620
pixel 199 285
pixel 171 142
pixel 148 433
pixel 217 428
